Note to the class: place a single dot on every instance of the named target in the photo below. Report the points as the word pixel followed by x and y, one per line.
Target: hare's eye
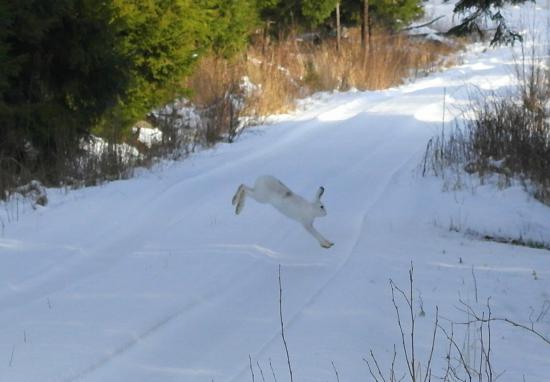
pixel 322 207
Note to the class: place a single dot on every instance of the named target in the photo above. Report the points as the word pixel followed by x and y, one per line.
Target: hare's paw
pixel 327 244
pixel 240 205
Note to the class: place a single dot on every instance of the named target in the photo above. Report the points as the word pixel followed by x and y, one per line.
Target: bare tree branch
pixel 428 367
pixel 477 318
pixel 272 371
pixel 377 368
pixel 251 369
pixel 283 326
pixel 261 371
pixel 335 372
pixel 422 25
pixel 463 362
pixel 400 324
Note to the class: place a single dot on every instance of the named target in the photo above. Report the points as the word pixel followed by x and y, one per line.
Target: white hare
pixel 268 189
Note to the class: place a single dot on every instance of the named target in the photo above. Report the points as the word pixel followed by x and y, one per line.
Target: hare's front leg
pixel 324 242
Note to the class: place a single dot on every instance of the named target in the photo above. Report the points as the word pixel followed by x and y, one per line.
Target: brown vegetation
pixel 294 68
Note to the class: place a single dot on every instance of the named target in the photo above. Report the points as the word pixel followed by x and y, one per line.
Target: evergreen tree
pixel 317 11
pixel 231 22
pixel 63 75
pixel 161 40
pixel 164 39
pixel 266 6
pixel 69 65
pixel 296 13
pixel 476 10
pixel 388 14
pixel 395 14
pixel 5 67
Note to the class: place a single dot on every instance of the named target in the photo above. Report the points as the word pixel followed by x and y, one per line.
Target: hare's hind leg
pixel 239 198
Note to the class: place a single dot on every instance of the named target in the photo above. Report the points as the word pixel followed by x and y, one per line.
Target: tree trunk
pixel 338 36
pixel 365 25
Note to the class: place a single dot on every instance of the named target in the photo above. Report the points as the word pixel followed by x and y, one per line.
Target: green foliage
pixel 70 66
pixel 230 23
pixel 262 5
pixel 161 41
pixel 317 11
pixel 63 73
pixel 296 13
pixel 395 14
pixel 313 13
pixel 383 13
pixel 5 66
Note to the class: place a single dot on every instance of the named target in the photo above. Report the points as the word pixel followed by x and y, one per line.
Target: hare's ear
pixel 320 192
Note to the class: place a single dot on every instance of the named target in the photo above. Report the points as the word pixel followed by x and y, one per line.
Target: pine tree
pixel 164 39
pixel 231 22
pixel 69 65
pixel 387 14
pixel 5 66
pixel 476 10
pixel 161 41
pixel 296 13
pixel 63 75
pixel 315 12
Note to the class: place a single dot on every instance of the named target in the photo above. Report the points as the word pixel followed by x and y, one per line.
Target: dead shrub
pixel 509 135
pixel 223 94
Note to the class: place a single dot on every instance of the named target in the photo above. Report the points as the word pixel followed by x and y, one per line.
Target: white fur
pixel 270 190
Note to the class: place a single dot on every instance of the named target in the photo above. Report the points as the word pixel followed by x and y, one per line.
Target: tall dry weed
pixel 388 61
pixel 288 69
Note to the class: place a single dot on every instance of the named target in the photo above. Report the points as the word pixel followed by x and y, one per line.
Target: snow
pixel 248 88
pixel 181 114
pixel 98 147
pixel 147 134
pixel 156 279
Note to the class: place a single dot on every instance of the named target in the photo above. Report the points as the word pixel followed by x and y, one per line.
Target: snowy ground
pixel 156 279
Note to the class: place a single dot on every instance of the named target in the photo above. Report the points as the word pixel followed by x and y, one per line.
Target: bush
pixel 509 135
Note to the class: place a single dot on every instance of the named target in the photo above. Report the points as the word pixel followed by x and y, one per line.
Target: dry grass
pixel 389 60
pixel 290 69
pixel 279 69
pixel 213 77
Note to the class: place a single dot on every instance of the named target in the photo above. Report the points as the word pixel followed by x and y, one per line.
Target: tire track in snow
pixel 76 270
pixel 208 297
